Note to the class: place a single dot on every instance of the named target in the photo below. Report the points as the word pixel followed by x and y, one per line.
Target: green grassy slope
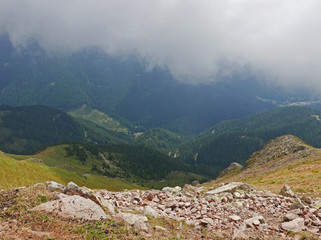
pixel 134 164
pixel 18 173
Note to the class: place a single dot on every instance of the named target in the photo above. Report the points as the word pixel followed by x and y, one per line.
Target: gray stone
pixel 254 221
pixel 105 203
pixel 234 218
pixel 136 220
pixel 295 225
pixel 53 186
pixel 151 211
pixel 231 187
pixel 172 191
pixel 297 204
pixel 290 217
pixel 73 207
pixel 286 191
pixel 74 189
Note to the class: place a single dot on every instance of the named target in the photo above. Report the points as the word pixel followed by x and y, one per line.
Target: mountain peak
pixel 279 147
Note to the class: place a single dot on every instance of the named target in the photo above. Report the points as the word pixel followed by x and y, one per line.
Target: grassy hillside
pixel 235 140
pixel 101 119
pixel 134 164
pixel 300 167
pixel 18 173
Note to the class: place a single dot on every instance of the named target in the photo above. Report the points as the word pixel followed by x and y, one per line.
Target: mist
pixel 197 41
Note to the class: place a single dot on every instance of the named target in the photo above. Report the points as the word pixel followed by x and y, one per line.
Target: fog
pixel 279 40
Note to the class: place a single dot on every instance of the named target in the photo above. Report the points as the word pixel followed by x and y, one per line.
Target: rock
pixel 136 220
pixel 290 217
pixel 195 183
pixel 233 168
pixel 295 225
pixel 254 221
pixel 160 228
pixel 231 187
pixel 170 203
pixel 53 186
pixel 150 197
pixel 287 192
pixel 234 218
pixel 297 204
pixel 73 207
pixel 151 211
pixel 74 189
pixel 172 191
pixel 105 203
pixel 307 200
pixel 206 221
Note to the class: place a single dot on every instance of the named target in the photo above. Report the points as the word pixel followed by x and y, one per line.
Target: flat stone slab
pixel 73 207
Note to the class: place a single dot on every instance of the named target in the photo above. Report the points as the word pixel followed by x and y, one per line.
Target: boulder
pixel 172 191
pixel 136 220
pixel 73 207
pixel 230 188
pixel 105 203
pixel 53 186
pixel 287 192
pixel 290 216
pixel 295 225
pixel 151 211
pixel 74 189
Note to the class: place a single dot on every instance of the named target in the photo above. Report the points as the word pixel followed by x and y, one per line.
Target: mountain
pixel 220 209
pixel 235 140
pixel 122 88
pixel 161 139
pixel 284 160
pixel 26 129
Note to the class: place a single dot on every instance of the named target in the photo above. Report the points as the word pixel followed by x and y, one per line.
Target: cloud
pixel 192 38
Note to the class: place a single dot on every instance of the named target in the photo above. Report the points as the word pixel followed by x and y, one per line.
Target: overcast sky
pixel 192 38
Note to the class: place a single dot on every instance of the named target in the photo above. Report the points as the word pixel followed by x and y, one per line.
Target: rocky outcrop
pixel 73 207
pixel 235 206
pixel 286 191
pixel 232 169
pixel 280 147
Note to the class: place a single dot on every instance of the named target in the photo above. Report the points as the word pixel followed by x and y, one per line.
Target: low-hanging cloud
pixel 192 38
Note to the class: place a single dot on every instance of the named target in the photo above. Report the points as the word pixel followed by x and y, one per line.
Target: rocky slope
pixel 226 208
pixel 232 211
pixel 284 160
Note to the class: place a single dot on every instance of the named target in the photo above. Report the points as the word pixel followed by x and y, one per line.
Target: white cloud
pixel 190 37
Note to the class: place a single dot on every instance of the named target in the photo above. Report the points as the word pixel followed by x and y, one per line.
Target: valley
pixel 98 144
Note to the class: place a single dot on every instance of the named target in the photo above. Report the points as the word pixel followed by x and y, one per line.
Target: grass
pixel 99 118
pixel 15 172
pixel 297 172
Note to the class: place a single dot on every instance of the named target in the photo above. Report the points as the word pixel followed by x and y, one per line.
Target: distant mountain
pixel 235 140
pixel 26 129
pixel 121 88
